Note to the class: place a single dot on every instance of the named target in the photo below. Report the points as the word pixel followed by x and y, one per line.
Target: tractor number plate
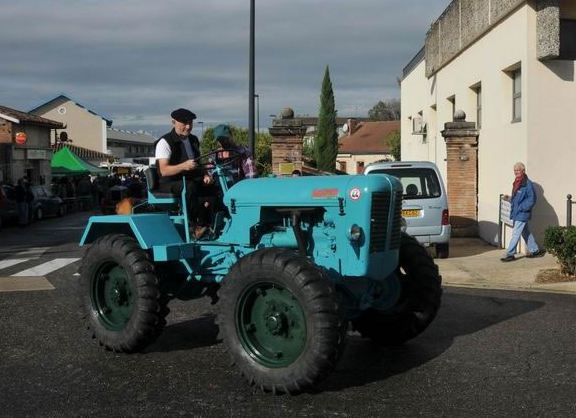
pixel 410 213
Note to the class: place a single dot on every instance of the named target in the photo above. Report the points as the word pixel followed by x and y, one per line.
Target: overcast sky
pixel 136 60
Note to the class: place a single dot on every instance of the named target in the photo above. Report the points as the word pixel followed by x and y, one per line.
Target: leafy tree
pixel 326 143
pixel 394 143
pixel 309 151
pixel 263 146
pixel 385 110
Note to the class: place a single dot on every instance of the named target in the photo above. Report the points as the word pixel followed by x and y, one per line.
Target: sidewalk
pixel 474 263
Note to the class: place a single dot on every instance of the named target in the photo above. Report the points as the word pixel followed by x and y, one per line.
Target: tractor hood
pixel 305 191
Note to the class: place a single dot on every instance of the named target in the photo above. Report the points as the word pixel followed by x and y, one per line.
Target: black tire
pixel 418 304
pixel 120 296
pixel 442 250
pixel 280 321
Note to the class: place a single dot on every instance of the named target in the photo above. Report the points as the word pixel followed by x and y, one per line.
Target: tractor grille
pixel 395 236
pixel 379 221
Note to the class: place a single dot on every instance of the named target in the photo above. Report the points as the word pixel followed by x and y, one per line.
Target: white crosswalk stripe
pixel 46 268
pixel 33 252
pixel 4 264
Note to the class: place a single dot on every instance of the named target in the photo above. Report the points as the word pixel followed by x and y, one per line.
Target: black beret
pixel 183 115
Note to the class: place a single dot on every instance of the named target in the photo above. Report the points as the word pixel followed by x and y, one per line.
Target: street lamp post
pixel 251 82
pixel 257 96
pixel 201 123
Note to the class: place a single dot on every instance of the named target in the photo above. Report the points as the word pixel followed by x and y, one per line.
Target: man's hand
pixel 208 179
pixel 188 165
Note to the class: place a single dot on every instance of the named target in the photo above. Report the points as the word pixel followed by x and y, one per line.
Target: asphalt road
pixel 489 353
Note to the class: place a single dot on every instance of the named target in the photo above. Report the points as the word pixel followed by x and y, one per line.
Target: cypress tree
pixel 326 143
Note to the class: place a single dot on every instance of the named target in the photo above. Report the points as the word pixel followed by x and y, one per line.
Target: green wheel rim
pixel 112 296
pixel 271 324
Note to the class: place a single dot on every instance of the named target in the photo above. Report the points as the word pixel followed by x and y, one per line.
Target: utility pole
pixel 251 83
pixel 257 96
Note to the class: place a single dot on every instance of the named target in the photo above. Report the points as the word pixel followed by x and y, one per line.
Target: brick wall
pixel 462 175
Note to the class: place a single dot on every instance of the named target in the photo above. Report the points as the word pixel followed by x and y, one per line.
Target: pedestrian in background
pixel 24 197
pixel 522 201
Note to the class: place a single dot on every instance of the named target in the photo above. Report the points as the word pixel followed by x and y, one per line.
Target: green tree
pixel 394 143
pixel 385 110
pixel 326 143
pixel 263 146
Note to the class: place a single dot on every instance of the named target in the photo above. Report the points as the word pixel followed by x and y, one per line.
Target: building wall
pixel 551 139
pixel 501 142
pixel 417 96
pixel 462 23
pixel 351 161
pixel 543 140
pixel 32 158
pixel 85 129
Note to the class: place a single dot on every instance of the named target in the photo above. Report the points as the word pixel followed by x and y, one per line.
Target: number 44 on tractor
pixel 293 263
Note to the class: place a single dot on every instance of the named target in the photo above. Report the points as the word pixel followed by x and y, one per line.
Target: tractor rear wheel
pixel 121 301
pixel 280 321
pixel 419 300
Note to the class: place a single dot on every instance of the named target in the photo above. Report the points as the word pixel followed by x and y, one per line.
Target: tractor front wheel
pixel 120 296
pixel 419 300
pixel 280 321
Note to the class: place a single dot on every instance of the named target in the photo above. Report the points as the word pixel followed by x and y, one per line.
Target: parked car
pixel 45 203
pixel 424 203
pixel 8 208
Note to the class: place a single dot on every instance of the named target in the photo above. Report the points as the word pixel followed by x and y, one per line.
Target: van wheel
pixel 442 250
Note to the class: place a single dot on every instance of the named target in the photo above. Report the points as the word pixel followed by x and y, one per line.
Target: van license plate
pixel 410 213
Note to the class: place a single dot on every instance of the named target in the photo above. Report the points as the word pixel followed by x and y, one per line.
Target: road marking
pixel 33 252
pixel 4 264
pixel 24 284
pixel 46 268
pixel 64 228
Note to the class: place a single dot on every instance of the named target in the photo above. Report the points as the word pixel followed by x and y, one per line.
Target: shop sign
pixel 36 154
pixel 20 138
pixel 285 168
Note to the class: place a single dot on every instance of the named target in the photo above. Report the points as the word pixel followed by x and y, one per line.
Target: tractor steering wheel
pixel 210 159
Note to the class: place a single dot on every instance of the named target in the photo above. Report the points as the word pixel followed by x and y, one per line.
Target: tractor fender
pixel 149 229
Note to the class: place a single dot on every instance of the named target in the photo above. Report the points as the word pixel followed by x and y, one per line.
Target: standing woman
pixel 522 201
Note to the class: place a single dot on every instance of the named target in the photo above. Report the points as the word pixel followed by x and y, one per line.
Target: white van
pixel 424 203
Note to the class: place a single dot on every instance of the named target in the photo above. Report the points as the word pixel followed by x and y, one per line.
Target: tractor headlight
pixel 355 233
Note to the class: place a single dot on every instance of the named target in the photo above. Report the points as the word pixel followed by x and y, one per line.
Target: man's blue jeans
pixel 521 230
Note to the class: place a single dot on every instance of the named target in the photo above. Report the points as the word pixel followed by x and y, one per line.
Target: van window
pixel 417 183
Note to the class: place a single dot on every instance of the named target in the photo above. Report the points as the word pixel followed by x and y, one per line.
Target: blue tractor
pixel 292 262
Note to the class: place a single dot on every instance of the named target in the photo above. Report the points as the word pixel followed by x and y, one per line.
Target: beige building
pixel 510 66
pixel 83 127
pixel 364 143
pixel 88 130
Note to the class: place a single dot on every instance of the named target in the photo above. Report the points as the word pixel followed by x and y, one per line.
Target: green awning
pixel 65 162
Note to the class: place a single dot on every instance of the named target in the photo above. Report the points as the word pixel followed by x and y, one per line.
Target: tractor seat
pixel 153 183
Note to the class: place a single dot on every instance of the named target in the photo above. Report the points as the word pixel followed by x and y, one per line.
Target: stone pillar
pixel 287 143
pixel 462 175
